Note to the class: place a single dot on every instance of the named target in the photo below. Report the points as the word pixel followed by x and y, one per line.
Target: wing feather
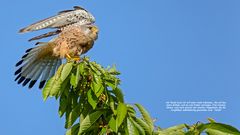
pixel 52 33
pixel 35 63
pixel 64 18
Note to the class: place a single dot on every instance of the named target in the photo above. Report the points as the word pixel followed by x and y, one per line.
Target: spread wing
pixel 63 18
pixel 52 33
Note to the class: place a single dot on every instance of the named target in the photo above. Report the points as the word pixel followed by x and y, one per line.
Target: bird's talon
pixel 76 59
pixel 72 59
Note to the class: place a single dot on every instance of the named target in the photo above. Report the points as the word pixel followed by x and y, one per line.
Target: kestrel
pixel 76 34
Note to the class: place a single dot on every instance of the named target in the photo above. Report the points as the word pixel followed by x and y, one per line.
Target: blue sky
pixel 166 51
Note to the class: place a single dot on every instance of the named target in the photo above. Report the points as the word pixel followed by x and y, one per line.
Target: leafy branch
pixel 92 103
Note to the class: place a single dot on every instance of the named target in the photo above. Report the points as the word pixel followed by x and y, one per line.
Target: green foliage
pixel 92 103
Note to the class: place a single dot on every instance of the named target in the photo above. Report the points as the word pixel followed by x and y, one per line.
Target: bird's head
pixel 93 31
pixel 86 15
pixel 91 17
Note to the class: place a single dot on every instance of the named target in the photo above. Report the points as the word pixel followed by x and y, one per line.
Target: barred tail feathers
pixel 37 62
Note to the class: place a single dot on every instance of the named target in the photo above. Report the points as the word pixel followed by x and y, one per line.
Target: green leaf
pixel 131 129
pixel 99 91
pixel 63 105
pixel 75 76
pixel 110 84
pixel 211 120
pixel 97 78
pixel 73 80
pixel 72 117
pixel 174 130
pixel 56 87
pixel 92 99
pixel 118 93
pixel 137 126
pixel 113 70
pixel 145 116
pixel 178 132
pixel 73 130
pixel 216 132
pixel 112 104
pixel 89 121
pixel 121 113
pixel 189 133
pixel 103 131
pixel 113 124
pixel 227 129
pixel 131 111
pixel 111 81
pixel 94 68
pixel 47 88
pixel 53 85
pixel 97 88
pixel 80 68
pixel 98 67
pixel 66 71
pixel 143 124
pixel 78 73
pixel 65 86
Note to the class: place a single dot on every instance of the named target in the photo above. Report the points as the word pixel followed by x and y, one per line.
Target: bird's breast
pixel 73 42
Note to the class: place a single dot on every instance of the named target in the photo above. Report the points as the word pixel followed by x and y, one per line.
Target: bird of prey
pixel 76 34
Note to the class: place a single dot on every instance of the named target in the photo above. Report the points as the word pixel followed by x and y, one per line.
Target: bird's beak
pixel 94 29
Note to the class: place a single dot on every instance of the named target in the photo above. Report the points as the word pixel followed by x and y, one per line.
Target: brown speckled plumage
pixel 75 35
pixel 75 40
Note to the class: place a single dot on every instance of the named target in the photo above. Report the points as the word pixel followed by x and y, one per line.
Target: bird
pixel 75 35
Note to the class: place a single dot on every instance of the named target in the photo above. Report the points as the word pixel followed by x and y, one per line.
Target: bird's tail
pixel 37 62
